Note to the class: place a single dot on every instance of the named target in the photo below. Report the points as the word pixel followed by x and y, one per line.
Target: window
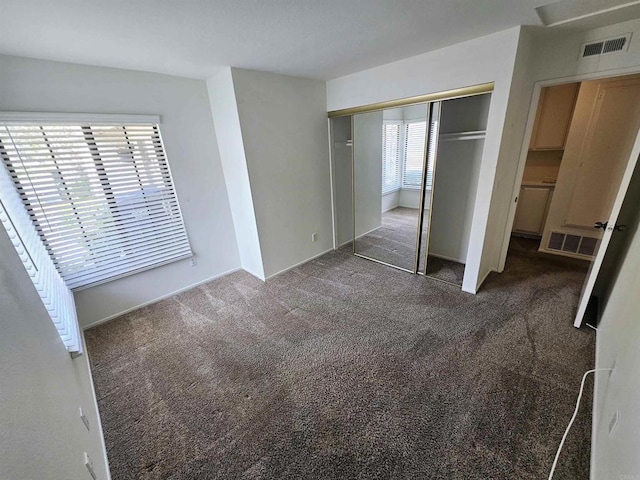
pixel 391 159
pixel 100 196
pixel 55 295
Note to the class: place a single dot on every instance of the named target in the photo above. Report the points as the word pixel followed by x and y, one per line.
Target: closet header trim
pixel 428 97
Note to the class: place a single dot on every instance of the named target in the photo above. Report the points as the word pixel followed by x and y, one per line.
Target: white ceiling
pixel 310 38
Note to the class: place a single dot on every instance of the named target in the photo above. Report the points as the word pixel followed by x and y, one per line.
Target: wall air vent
pixel 605 46
pixel 572 244
pixel 591 49
pixel 614 45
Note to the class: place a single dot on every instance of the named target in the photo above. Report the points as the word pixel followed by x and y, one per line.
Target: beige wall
pixel 542 165
pixel 284 127
pixel 41 388
pixel 615 455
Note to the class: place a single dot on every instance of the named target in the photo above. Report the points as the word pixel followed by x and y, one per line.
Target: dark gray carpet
pixel 347 369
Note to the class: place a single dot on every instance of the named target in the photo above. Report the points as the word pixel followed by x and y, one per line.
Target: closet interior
pixel 405 181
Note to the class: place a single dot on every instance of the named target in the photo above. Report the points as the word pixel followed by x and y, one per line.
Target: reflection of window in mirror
pixel 391 160
pixel 414 138
pixel 403 152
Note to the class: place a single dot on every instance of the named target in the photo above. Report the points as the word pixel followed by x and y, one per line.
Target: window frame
pixel 83 121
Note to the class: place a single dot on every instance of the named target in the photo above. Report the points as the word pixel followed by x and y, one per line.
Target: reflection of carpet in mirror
pixel 395 241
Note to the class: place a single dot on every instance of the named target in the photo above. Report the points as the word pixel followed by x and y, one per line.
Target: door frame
pixel 528 132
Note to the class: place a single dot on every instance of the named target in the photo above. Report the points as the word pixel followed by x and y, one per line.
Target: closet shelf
pixel 472 135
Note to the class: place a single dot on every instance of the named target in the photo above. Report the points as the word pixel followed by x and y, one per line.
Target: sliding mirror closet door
pixel 388 156
pixel 460 145
pixel 431 151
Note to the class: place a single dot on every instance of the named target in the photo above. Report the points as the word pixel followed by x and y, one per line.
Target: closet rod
pixel 429 97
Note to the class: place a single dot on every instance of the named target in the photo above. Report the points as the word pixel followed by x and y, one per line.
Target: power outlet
pixel 194 261
pixel 314 237
pixel 613 423
pixel 84 419
pixel 89 464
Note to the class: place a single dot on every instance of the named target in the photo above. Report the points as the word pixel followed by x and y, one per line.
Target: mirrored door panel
pixel 414 174
pixel 388 161
pixel 427 184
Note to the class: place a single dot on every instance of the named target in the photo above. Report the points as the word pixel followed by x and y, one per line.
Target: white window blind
pixel 54 293
pixel 414 142
pixel 101 197
pixel 391 160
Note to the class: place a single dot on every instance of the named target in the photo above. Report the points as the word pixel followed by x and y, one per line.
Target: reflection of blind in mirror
pixel 414 142
pixel 433 133
pixel 391 157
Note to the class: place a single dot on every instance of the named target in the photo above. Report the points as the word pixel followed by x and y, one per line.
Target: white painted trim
pixel 367 233
pixel 524 149
pixel 562 253
pixel 334 220
pixel 27 118
pixel 162 297
pixel 595 407
pixel 95 405
pixel 515 193
pixel 300 263
pixel 480 282
pixel 444 257
pixel 589 15
pixel 251 272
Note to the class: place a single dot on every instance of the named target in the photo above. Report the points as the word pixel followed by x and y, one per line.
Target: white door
pixel 594 269
pixel 605 152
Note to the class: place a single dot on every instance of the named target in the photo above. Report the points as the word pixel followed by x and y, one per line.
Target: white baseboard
pixel 251 272
pixel 155 300
pixel 562 253
pixel 301 263
pixel 444 257
pixel 97 410
pixel 359 236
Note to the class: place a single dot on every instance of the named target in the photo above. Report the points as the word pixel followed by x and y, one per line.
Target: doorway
pixel 578 166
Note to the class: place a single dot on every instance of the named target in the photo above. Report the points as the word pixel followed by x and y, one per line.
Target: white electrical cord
pixel 575 414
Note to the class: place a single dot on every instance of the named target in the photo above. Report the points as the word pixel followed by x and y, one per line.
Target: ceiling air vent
pixel 605 46
pixel 614 45
pixel 591 49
